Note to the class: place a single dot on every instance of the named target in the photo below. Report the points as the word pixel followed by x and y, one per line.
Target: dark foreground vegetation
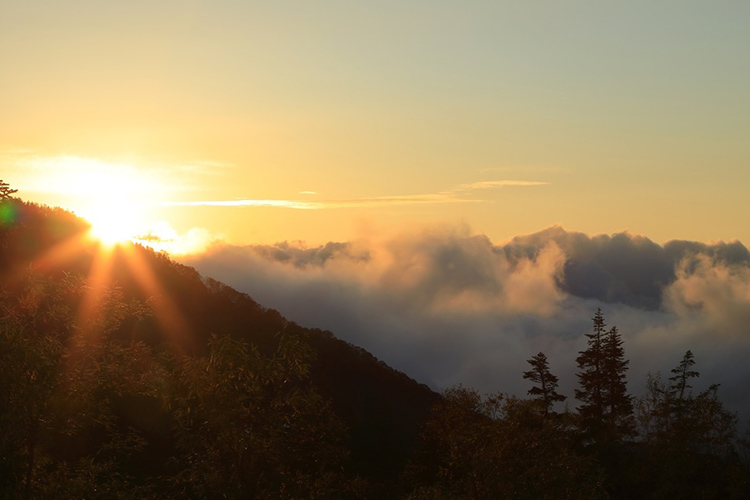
pixel 126 375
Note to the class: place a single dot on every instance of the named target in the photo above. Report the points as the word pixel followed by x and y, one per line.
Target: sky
pixel 454 186
pixel 257 122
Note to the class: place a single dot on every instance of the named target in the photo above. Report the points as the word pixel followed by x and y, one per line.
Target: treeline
pixel 85 413
pixel 669 443
pixel 105 394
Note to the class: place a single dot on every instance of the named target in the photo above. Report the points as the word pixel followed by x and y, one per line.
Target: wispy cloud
pixel 412 199
pixel 53 174
pixel 60 174
pixel 197 167
pixel 457 195
pixel 499 184
pixel 417 199
pixel 548 169
pixel 300 205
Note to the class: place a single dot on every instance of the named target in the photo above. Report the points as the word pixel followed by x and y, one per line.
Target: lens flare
pixel 8 213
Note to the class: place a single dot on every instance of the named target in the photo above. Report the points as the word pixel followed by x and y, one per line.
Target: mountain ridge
pixel 382 408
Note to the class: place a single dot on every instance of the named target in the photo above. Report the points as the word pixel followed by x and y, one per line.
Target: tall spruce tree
pixel 590 379
pixel 546 390
pixel 617 402
pixel 606 412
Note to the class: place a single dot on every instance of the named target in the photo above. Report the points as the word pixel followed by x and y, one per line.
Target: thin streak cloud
pixel 332 204
pixel 453 196
pixel 299 205
pixel 43 173
pixel 412 199
pixel 549 169
pixel 498 184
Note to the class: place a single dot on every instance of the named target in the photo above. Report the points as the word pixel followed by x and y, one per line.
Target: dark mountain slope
pixel 382 408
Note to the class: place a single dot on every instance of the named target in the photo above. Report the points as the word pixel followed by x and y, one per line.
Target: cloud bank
pixel 447 306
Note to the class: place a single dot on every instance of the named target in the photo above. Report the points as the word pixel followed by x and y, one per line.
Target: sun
pixel 114 221
pixel 121 201
pixel 113 197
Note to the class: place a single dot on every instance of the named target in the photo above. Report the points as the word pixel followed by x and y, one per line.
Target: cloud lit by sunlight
pixel 448 306
pixel 162 237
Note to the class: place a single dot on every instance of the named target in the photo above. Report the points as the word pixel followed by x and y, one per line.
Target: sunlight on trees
pixel 250 427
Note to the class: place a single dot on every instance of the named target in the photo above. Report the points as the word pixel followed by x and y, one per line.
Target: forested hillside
pixel 125 371
pixel 124 374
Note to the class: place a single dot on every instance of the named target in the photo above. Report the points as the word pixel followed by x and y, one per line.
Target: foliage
pixel 690 440
pixel 500 447
pixel 28 380
pixel 59 394
pixel 247 427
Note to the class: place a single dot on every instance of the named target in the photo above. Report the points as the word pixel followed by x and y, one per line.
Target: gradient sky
pixel 325 120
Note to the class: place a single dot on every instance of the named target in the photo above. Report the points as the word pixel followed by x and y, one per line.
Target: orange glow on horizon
pixel 100 284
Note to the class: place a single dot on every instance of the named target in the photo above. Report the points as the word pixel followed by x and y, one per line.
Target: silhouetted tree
pixel 547 383
pixel 617 401
pixel 682 373
pixel 5 190
pixel 606 412
pixel 591 378
pixel 499 447
pixel 689 439
pixel 651 409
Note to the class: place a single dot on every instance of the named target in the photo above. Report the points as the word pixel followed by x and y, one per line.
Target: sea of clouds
pixel 447 306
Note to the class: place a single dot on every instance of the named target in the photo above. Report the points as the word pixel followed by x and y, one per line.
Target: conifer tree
pixel 5 190
pixel 683 372
pixel 590 378
pixel 606 412
pixel 692 437
pixel 618 403
pixel 547 383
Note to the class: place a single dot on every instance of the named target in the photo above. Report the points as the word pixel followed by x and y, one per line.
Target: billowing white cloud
pixel 447 306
